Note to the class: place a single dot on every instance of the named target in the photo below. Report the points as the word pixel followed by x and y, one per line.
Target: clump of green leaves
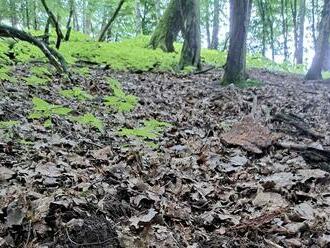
pixel 35 81
pixel 76 93
pixel 4 73
pixel 45 110
pixel 40 71
pixel 151 129
pixel 120 101
pixel 90 120
pixel 8 124
pixel 6 129
pixel 83 71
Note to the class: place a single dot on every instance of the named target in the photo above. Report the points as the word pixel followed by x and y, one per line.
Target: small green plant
pixel 6 129
pixel 119 100
pixel 151 129
pixel 90 120
pixel 40 71
pixel 5 74
pixel 45 110
pixel 76 93
pixel 36 81
pixel 8 124
pixel 249 83
pixel 83 71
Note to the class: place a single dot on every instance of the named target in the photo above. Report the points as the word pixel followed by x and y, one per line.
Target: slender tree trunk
pixel 216 17
pixel 314 25
pixel 138 18
pixel 315 71
pixel 13 16
pixel 35 17
pixel 261 8
pixel 207 25
pixel 112 19
pixel 191 50
pixel 300 46
pixel 295 26
pixel 68 24
pixel 284 29
pixel 46 32
pixel 168 28
pixel 270 22
pixel 27 14
pixel 235 68
pixel 54 23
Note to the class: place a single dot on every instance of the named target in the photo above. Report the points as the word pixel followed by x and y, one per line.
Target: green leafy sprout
pixel 90 120
pixel 120 101
pixel 76 93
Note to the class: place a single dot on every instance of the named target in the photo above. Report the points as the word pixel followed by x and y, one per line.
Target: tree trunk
pixel 112 19
pixel 236 59
pixel 54 57
pixel 68 24
pixel 300 45
pixel 27 14
pixel 215 33
pixel 168 28
pixel 54 23
pixel 138 18
pixel 261 8
pixel 284 29
pixel 295 25
pixel 315 71
pixel 191 50
pixel 13 16
pixel 207 25
pixel 314 24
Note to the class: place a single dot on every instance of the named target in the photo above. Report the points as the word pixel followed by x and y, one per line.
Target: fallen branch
pixel 55 58
pixel 298 123
pixel 316 157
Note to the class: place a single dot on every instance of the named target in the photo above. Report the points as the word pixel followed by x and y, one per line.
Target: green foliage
pixel 4 48
pixel 90 120
pixel 45 110
pixel 4 73
pixel 76 93
pixel 40 71
pixel 8 124
pixel 25 52
pixel 249 83
pixel 83 71
pixel 151 129
pixel 35 81
pixel 120 101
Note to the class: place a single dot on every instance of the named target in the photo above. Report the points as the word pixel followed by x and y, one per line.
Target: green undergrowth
pixel 132 54
pixel 6 129
pixel 249 83
pixel 6 74
pixel 119 100
pixel 45 110
pixel 76 93
pixel 151 129
pixel 8 124
pixel 90 120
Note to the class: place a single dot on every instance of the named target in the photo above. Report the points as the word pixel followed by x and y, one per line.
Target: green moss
pixel 120 101
pixel 90 120
pixel 25 52
pixel 76 93
pixel 151 129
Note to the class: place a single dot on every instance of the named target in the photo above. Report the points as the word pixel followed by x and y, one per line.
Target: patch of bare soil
pixel 238 167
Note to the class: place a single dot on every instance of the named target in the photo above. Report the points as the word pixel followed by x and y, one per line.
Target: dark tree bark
pixel 168 28
pixel 236 60
pixel 315 71
pixel 68 24
pixel 54 23
pixel 293 5
pixel 314 25
pixel 112 19
pixel 216 20
pixel 191 50
pixel 27 14
pixel 53 56
pixel 207 24
pixel 46 32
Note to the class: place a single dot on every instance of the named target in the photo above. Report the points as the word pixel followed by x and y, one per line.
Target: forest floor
pixel 225 167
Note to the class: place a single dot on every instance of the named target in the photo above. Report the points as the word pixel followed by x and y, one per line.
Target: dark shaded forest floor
pixel 223 175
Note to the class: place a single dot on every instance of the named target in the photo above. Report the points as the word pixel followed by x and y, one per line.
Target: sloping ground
pixel 217 177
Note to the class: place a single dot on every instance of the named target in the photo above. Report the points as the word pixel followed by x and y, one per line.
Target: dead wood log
pixel 316 157
pixel 54 23
pixel 298 123
pixel 55 58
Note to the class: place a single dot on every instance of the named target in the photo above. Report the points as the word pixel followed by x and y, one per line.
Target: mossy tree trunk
pixel 191 50
pixel 235 68
pixel 315 71
pixel 168 28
